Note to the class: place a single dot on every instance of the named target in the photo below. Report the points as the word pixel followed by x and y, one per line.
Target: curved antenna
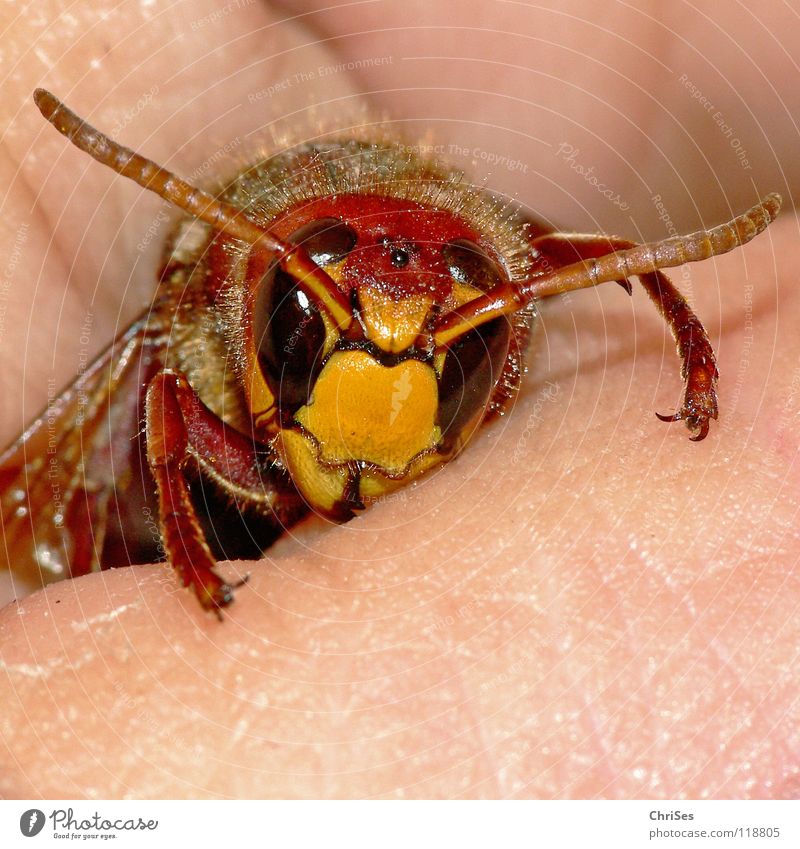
pixel 617 265
pixel 221 216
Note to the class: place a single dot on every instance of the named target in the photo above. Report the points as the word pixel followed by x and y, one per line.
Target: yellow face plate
pixel 323 488
pixel 368 428
pixel 391 324
pixel 361 410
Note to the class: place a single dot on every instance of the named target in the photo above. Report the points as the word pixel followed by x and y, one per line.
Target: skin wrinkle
pixel 602 745
pixel 512 667
pixel 592 734
pixel 70 667
pixel 525 694
pixel 46 759
pixel 741 677
pixel 692 615
pixel 484 748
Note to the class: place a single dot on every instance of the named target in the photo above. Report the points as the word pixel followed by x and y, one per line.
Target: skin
pixel 585 604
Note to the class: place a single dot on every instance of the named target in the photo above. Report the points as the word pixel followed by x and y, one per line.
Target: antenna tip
pixel 774 200
pixel 48 103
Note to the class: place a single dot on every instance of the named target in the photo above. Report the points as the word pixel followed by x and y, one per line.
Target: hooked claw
pixel 699 403
pixel 220 596
pixel 698 424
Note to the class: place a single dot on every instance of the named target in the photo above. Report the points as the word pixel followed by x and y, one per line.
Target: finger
pixel 579 606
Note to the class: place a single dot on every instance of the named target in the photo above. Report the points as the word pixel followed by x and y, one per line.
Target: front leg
pixel 180 429
pixel 698 364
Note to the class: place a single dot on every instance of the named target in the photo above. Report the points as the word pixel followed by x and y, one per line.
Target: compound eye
pixel 289 330
pixel 470 265
pixel 326 240
pixel 290 338
pixel 472 367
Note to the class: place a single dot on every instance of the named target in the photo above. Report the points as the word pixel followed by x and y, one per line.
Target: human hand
pixel 584 604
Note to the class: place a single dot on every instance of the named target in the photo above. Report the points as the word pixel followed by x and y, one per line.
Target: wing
pixel 75 489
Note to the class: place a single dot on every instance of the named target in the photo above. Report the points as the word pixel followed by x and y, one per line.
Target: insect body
pixel 338 320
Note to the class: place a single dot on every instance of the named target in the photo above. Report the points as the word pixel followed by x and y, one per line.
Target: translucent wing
pixel 75 490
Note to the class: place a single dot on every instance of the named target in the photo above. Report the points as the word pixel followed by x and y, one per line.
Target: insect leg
pixel 179 429
pixel 698 365
pixel 167 453
pixel 601 260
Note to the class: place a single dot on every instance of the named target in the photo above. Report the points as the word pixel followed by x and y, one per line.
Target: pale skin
pixel 584 604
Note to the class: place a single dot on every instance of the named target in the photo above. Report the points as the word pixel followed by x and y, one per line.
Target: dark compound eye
pixel 471 265
pixel 288 327
pixel 399 258
pixel 290 336
pixel 472 367
pixel 326 240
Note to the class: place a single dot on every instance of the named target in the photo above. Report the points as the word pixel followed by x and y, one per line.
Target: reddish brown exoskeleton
pixel 361 312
